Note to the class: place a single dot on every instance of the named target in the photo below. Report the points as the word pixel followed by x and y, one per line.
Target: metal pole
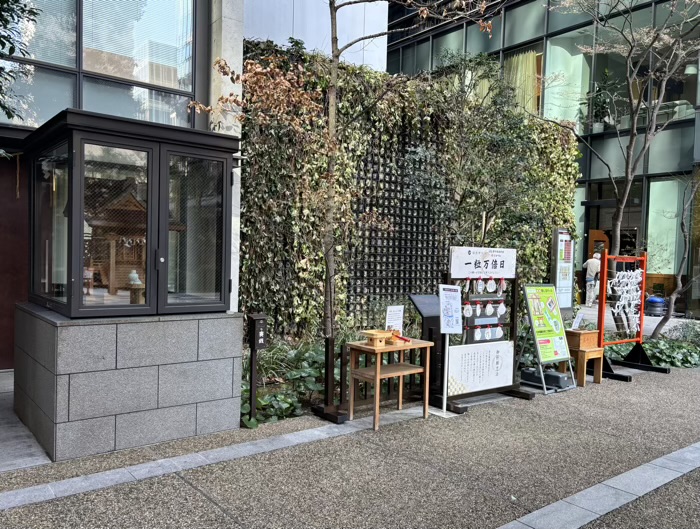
pixel 445 363
pixel 253 383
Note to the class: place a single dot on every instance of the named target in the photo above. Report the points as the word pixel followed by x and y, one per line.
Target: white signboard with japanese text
pixel 450 309
pixel 468 262
pixel 563 274
pixel 479 367
pixel 394 318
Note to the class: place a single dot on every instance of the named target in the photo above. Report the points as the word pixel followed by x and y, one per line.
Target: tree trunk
pixel 329 227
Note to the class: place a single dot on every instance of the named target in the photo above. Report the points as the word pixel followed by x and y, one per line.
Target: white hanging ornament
pixel 501 310
pixel 478 309
pixel 489 309
pixel 477 334
pixel 499 331
pixel 501 286
pixel 467 310
pixel 466 286
pixel 487 333
pixel 480 286
pixel 491 285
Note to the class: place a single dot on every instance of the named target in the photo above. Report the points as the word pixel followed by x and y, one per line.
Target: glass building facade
pixel 540 53
pixel 128 58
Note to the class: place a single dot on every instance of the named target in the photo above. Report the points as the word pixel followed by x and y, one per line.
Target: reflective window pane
pixel 144 40
pixel 479 41
pixel 52 37
pixel 609 149
pixel 51 226
pixel 561 15
pixel 134 102
pixel 115 206
pixel 664 240
pixel 522 69
pixel 449 42
pixel 39 94
pixel 672 150
pixel 524 22
pixel 423 56
pixel 568 75
pixel 393 61
pixel 408 60
pixel 609 98
pixel 195 231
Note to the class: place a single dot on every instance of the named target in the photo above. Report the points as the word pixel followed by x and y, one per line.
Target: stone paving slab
pixel 601 498
pixel 642 479
pixel 18 447
pixel 673 506
pixel 559 515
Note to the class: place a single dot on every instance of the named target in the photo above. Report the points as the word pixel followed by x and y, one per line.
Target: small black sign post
pixel 257 339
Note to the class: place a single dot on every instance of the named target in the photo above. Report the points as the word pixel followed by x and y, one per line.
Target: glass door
pixel 116 227
pixel 195 203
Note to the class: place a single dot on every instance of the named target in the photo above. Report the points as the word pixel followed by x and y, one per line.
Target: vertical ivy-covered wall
pixel 389 239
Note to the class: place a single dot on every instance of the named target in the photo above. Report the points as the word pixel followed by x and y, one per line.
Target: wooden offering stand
pixel 376 345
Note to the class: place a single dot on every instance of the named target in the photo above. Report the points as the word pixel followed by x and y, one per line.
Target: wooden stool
pixel 582 356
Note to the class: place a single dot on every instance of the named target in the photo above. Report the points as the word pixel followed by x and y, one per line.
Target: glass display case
pixel 129 217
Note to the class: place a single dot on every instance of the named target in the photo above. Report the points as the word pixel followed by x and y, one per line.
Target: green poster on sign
pixel 547 325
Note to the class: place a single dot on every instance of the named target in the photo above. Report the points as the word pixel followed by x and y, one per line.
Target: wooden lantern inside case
pixel 376 338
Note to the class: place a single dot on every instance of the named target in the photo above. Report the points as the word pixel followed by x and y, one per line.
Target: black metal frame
pixel 161 141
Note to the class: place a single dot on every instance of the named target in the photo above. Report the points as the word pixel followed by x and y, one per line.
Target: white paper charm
pixel 480 286
pixel 491 285
pixel 487 333
pixel 501 309
pixel 501 287
pixel 499 331
pixel 489 309
pixel 478 309
pixel 467 310
pixel 477 334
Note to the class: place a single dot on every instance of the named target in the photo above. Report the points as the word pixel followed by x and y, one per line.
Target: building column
pixel 226 41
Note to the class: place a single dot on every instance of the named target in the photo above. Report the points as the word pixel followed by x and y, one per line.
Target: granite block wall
pixel 88 386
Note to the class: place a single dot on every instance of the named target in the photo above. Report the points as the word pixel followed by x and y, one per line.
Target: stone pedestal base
pixel 88 386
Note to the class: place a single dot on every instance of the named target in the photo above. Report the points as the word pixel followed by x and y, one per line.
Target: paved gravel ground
pixel 675 506
pixel 100 463
pixel 480 470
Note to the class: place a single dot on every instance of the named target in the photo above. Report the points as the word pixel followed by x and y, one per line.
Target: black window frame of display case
pixel 76 128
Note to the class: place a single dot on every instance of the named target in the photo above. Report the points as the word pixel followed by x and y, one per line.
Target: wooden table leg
pixel 351 404
pixel 400 406
pixel 377 390
pixel 581 369
pixel 598 370
pixel 562 367
pixel 426 383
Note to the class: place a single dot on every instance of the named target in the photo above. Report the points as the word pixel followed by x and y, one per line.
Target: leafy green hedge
pixel 662 352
